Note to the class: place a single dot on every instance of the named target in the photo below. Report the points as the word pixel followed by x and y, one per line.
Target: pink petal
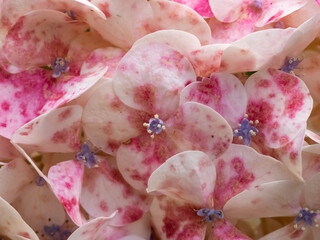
pixel 223 229
pixel 39 206
pixel 150 77
pixel 280 102
pixel 66 180
pixel 222 92
pixel 226 11
pixel 40 36
pixel 91 229
pixel 256 50
pixel 207 59
pixel 105 191
pixel 188 176
pixel 138 158
pixel 171 15
pixel 108 122
pixel 288 233
pixel 310 161
pixel 313 136
pixel 312 192
pixel 200 6
pixel 198 127
pixel 273 199
pixel 242 168
pixel 176 220
pixel 7 151
pixel 12 225
pixel 14 175
pixel 274 10
pixel 57 131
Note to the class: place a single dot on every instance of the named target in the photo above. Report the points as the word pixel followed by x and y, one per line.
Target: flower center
pixel 87 156
pixel 306 217
pixel 40 181
pixel 59 65
pixel 55 232
pixel 246 130
pixel 155 126
pixel 257 4
pixel 209 214
pixel 291 64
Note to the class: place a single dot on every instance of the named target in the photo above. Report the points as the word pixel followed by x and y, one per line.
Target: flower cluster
pixel 159 119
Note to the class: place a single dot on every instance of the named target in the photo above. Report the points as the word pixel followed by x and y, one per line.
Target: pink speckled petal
pixel 256 50
pixel 280 102
pixel 14 175
pixel 149 77
pixel 198 127
pixel 200 6
pixel 312 192
pixel 105 191
pixel 223 92
pixel 12 225
pixel 188 176
pixel 222 32
pixel 57 131
pixel 223 229
pixel 40 36
pixel 288 233
pixel 66 180
pixel 274 10
pixel 41 202
pixel 126 21
pixel 181 41
pixel 315 137
pixel 273 199
pixel 226 11
pixel 171 15
pixel 207 59
pixel 108 122
pixel 174 219
pixel 310 161
pixel 241 168
pixel 92 229
pixel 138 158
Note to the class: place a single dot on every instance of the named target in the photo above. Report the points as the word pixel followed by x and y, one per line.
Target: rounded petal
pixel 105 191
pixel 310 161
pixel 12 225
pixel 176 220
pixel 226 11
pixel 223 229
pixel 280 102
pixel 312 192
pixel 223 92
pixel 188 176
pixel 273 199
pixel 171 15
pixel 200 6
pixel 149 78
pixel 138 158
pixel 241 168
pixel 197 127
pixel 108 122
pixel 66 180
pixel 40 36
pixel 56 131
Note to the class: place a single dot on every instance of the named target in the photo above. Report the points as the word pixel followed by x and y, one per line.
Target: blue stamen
pixel 59 65
pixel 246 130
pixel 257 3
pixel 209 214
pixel 87 156
pixel 40 181
pixel 291 64
pixel 155 126
pixel 306 217
pixel 55 232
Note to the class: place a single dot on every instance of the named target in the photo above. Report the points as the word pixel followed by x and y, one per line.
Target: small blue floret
pixel 59 65
pixel 246 130
pixel 257 3
pixel 155 126
pixel 291 64
pixel 306 216
pixel 40 181
pixel 55 232
pixel 209 214
pixel 87 156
